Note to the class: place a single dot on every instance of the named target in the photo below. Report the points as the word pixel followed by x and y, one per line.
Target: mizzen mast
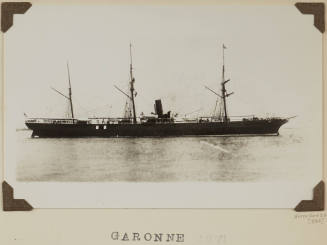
pixel 70 92
pixel 132 83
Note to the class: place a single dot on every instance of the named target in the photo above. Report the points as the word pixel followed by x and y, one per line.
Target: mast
pixel 70 92
pixel 224 94
pixel 132 82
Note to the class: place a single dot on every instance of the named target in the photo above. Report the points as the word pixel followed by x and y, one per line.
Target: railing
pixel 51 120
pixel 140 120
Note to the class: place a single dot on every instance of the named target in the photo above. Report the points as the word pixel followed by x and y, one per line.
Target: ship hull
pixel 258 127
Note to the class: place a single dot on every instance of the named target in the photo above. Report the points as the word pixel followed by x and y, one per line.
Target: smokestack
pixel 158 108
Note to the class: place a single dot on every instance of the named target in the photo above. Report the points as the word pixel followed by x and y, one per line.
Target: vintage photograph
pixel 163 94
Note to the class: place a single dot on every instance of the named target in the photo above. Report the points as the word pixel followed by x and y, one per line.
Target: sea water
pixel 168 159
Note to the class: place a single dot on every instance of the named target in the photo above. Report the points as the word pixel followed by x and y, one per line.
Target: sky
pixel 273 59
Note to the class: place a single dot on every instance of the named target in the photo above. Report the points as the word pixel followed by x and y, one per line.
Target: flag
pixel 224 47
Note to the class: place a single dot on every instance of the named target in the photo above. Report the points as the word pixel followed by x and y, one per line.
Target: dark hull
pixel 257 127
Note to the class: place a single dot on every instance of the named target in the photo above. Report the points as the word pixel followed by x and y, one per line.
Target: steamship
pixel 158 124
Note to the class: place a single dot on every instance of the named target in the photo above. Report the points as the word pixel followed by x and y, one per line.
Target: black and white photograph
pixel 110 105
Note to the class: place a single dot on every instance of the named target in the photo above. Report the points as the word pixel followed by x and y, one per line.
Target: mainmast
pixel 70 92
pixel 224 93
pixel 132 83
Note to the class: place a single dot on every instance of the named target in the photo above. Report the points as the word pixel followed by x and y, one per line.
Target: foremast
pixel 132 81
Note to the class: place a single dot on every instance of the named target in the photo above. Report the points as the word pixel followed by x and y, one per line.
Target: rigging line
pixel 79 104
pixel 214 110
pixel 60 93
pixel 213 91
pixel 122 92
pixel 147 100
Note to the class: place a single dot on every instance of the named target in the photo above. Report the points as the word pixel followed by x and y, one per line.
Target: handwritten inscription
pixel 214 239
pixel 313 218
pixel 148 237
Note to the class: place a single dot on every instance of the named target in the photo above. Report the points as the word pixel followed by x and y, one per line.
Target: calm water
pixel 262 158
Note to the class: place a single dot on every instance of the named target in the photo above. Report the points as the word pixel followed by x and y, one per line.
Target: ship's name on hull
pixel 148 237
